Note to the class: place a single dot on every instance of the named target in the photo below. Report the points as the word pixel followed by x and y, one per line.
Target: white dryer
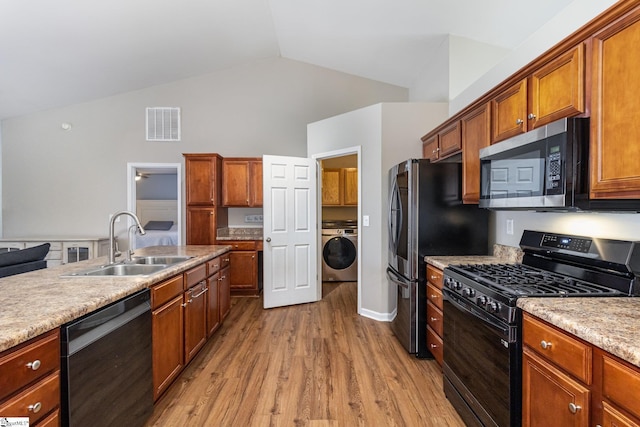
pixel 339 254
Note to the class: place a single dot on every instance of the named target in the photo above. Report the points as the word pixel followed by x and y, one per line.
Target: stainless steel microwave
pixel 545 169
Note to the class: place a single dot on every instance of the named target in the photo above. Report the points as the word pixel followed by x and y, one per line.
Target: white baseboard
pixel 381 317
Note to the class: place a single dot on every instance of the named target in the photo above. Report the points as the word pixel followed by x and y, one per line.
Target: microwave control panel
pixel 554 170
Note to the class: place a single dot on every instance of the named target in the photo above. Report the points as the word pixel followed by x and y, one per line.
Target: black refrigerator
pixel 426 217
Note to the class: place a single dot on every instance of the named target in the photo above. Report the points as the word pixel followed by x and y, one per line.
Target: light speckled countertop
pixel 239 233
pixel 612 324
pixel 39 301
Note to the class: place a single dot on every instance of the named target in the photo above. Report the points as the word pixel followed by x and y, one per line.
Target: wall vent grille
pixel 163 124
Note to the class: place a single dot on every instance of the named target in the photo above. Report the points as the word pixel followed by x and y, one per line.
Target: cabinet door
pixel 550 397
pixel 332 181
pixel 235 183
pixel 201 226
pixel 224 292
pixel 556 90
pixel 195 320
pixel 202 175
pixel 255 185
pixel 168 344
pixel 244 271
pixel 509 111
pixel 614 418
pixel 449 140
pixel 476 134
pixel 213 304
pixel 350 186
pixel 430 149
pixel 615 128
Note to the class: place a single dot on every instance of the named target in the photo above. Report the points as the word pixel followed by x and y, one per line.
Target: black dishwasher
pixel 107 378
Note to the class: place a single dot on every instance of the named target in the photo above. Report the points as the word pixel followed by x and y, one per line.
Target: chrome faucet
pixel 112 221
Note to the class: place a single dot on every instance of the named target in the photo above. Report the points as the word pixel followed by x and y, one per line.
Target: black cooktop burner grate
pixel 522 280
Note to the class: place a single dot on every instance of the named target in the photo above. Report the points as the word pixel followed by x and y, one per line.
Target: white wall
pixel 58 182
pixel 387 133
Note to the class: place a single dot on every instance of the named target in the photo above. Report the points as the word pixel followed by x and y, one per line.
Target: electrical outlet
pixel 253 218
pixel 510 226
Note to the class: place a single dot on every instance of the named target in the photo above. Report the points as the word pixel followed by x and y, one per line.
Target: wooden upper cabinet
pixel 615 128
pixel 553 91
pixel 556 90
pixel 444 143
pixel 430 147
pixel 332 181
pixel 350 186
pixel 202 176
pixel 510 112
pixel 476 134
pixel 242 182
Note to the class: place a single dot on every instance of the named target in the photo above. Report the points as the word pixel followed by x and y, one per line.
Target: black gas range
pixel 482 324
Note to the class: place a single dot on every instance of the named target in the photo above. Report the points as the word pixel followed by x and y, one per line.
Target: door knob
pixel 268 239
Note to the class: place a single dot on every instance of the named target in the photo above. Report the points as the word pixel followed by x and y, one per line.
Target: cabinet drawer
pixel 434 295
pixel 36 401
pixel 213 265
pixel 621 385
pixel 225 260
pixel 434 276
pixel 23 366
pixel 52 420
pixel 166 291
pixel 195 275
pixel 571 355
pixel 434 318
pixel 434 344
pixel 249 245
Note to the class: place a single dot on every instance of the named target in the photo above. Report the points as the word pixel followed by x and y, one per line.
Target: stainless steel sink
pixel 121 270
pixel 153 260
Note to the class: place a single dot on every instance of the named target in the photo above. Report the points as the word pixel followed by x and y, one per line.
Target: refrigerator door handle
pixel 391 275
pixel 394 213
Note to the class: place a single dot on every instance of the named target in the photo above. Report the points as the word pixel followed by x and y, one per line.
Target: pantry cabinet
pixel 434 312
pixel 31 380
pixel 615 105
pixel 476 134
pixel 242 182
pixel 567 381
pixel 553 91
pixel 204 215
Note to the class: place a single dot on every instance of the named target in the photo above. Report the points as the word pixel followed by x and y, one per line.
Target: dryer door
pixel 339 253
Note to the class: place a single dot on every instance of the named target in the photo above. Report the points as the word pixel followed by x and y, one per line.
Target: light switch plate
pixel 365 220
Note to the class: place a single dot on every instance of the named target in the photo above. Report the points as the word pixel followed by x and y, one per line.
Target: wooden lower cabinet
pixel 30 380
pixel 168 344
pixel 569 382
pixel 434 313
pixel 225 292
pixel 186 311
pixel 243 273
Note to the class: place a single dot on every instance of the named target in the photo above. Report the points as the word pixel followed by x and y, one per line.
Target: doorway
pixel 154 194
pixel 336 172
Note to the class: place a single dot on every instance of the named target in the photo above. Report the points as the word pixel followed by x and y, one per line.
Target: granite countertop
pixel 501 255
pixel 609 323
pixel 239 233
pixel 39 301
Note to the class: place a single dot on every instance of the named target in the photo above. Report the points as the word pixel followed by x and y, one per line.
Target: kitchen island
pixel 36 302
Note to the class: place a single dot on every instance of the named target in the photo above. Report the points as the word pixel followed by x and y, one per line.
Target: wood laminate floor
pixel 317 364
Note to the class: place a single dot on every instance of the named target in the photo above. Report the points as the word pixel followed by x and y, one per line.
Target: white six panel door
pixel 290 231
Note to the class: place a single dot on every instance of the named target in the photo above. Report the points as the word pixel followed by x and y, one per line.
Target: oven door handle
pixel 395 278
pixel 467 308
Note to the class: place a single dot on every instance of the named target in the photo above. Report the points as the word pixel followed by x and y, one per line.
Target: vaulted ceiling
pixel 56 53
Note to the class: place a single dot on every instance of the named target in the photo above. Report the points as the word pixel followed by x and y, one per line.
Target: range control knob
pixel 482 300
pixel 469 292
pixel 493 307
pixel 457 285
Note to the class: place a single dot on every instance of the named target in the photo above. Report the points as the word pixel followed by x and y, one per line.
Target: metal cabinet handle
pixel 434 277
pixel 35 365
pixel 519 121
pixel 545 344
pixel 434 346
pixel 573 408
pixel 433 319
pixel 268 239
pixel 35 408
pixel 185 304
pixel 531 116
pixel 434 296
